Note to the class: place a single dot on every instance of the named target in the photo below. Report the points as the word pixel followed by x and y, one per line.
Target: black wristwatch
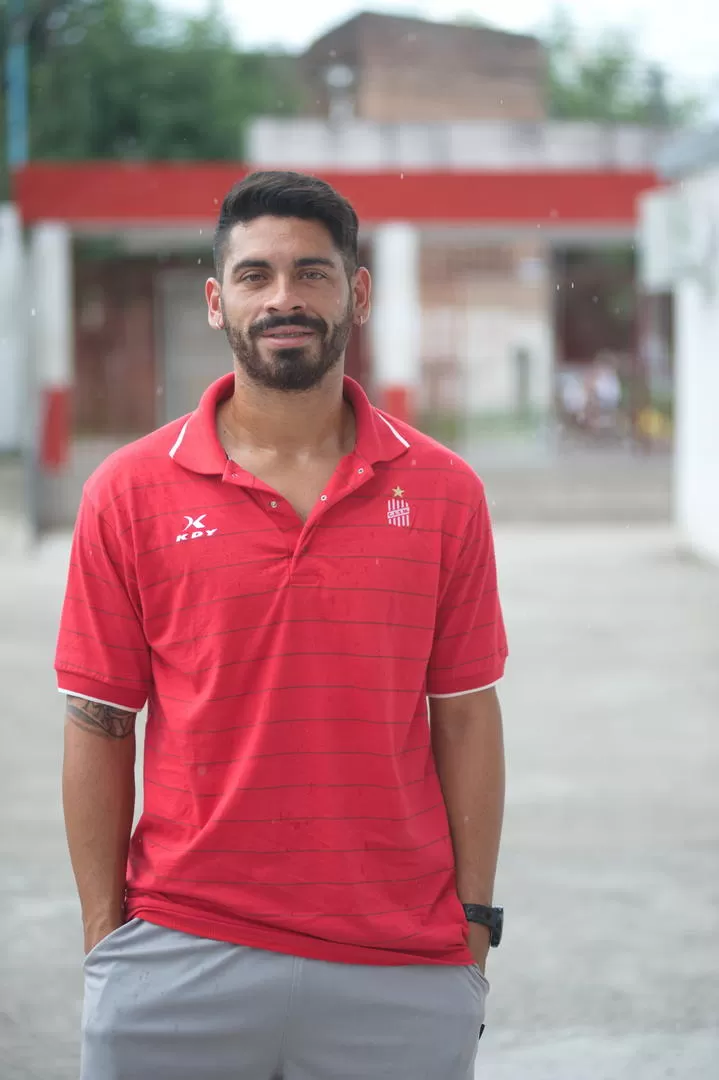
pixel 491 917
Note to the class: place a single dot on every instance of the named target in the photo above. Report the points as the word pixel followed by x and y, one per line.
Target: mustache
pixel 276 322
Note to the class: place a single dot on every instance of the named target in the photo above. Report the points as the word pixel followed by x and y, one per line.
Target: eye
pixel 314 275
pixel 252 277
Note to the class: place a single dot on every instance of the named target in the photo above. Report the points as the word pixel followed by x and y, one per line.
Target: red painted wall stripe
pixel 54 427
pixel 398 401
pixel 170 193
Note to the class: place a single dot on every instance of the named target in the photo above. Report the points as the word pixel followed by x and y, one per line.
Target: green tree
pixel 122 79
pixel 607 79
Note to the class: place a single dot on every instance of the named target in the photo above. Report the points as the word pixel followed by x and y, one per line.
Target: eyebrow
pixel 264 264
pixel 314 260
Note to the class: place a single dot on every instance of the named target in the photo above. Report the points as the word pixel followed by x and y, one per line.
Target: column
pixel 51 326
pixel 13 330
pixel 396 318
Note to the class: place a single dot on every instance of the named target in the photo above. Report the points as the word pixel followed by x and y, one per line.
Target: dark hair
pixel 288 194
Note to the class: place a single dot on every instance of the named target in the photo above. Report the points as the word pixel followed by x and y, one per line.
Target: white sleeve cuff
pixel 99 701
pixel 463 693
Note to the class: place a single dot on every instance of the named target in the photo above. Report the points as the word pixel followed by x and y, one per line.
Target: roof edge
pixel 361 18
pixel 689 153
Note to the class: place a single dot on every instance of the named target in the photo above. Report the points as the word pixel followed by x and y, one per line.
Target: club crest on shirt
pixel 398 509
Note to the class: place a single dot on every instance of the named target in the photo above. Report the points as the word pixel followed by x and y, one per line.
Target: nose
pixel 282 298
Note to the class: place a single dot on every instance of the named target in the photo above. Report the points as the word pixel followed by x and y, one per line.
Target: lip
pixel 289 336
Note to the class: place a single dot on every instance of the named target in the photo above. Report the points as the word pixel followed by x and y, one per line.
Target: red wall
pixel 114 194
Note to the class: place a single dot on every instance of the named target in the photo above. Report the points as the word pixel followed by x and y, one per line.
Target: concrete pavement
pixel 532 483
pixel 609 871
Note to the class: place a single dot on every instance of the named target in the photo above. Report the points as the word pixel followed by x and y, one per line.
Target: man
pixel 284 576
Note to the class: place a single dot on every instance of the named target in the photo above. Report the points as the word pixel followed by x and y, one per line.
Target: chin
pixel 297 354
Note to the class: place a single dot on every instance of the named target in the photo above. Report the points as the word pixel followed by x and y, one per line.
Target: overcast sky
pixel 683 34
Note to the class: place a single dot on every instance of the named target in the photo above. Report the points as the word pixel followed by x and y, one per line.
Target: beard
pixel 297 368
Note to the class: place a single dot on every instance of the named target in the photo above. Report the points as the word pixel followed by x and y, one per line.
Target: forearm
pixel 98 800
pixel 469 754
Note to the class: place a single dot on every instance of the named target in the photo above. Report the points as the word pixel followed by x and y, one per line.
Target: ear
pixel 213 295
pixel 361 292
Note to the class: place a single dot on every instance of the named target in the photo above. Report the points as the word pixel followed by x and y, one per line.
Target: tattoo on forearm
pixel 97 719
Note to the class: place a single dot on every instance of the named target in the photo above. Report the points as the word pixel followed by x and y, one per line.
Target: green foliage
pixel 607 80
pixel 122 79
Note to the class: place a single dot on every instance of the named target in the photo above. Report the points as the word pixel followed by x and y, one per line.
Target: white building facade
pixel 679 239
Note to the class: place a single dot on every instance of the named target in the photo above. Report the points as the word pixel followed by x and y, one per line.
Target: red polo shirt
pixel 291 800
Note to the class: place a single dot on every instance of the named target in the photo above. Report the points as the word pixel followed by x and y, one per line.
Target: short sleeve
pixel 470 645
pixel 101 650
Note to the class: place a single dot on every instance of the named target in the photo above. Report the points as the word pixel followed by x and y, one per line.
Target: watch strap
pixel 491 917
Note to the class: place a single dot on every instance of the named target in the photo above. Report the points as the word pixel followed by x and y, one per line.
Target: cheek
pixel 341 308
pixel 237 316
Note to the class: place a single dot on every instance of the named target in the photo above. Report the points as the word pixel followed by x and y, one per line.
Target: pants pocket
pixel 477 973
pixel 109 939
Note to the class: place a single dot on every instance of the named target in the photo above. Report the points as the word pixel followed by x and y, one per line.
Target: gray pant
pixel 162 1005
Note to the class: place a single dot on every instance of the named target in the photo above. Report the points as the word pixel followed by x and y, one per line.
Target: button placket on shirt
pixel 276 509
pixel 360 475
pixel 298 535
pixel 285 518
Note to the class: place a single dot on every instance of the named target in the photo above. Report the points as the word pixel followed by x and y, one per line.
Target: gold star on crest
pixel 398 492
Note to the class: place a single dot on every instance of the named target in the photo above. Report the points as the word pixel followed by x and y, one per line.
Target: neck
pixel 287 422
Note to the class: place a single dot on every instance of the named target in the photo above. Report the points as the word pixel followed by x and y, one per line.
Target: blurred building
pixel 12 386
pixel 388 69
pixel 680 273
pixel 481 221
pixel 507 304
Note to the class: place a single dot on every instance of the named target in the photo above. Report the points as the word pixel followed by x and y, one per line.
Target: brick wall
pixel 484 272
pixel 412 70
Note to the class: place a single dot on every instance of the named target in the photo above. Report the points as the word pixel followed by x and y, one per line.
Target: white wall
pixel 189 354
pixel 396 308
pixel 13 330
pixel 484 343
pixel 494 337
pixel 306 143
pixel 697 369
